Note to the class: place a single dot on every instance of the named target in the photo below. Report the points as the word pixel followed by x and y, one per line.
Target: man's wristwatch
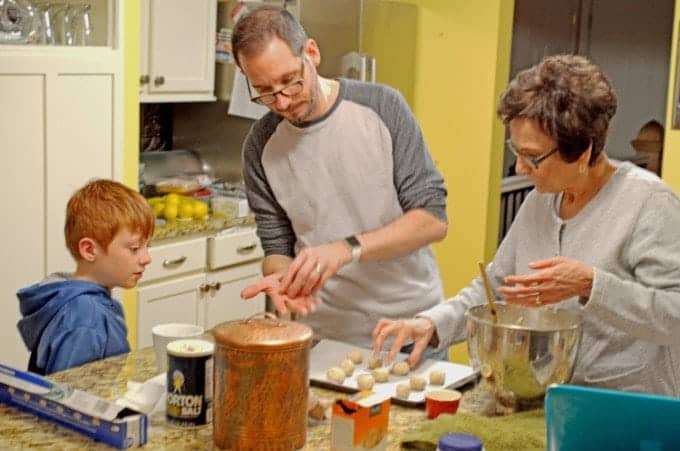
pixel 354 247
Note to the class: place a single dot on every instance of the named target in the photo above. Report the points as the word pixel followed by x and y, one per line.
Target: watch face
pixel 353 242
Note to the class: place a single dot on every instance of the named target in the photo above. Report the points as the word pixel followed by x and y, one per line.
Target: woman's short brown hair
pixel 570 97
pixel 100 209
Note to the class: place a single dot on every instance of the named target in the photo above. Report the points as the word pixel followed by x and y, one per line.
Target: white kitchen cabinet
pixel 172 301
pixel 199 281
pixel 223 301
pixel 61 124
pixel 177 50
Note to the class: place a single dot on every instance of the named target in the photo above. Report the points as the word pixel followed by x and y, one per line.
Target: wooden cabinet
pixel 199 281
pixel 61 124
pixel 177 50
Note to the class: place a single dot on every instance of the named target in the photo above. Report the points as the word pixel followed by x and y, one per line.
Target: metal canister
pixel 261 384
pixel 190 383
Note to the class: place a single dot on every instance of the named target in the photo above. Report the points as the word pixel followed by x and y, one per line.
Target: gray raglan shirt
pixel 357 168
pixel 630 234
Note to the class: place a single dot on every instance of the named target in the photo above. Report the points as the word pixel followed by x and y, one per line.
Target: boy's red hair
pixel 102 208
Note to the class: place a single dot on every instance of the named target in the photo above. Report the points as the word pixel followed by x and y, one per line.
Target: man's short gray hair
pixel 258 27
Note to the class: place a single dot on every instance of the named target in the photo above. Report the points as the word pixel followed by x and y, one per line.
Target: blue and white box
pixel 103 420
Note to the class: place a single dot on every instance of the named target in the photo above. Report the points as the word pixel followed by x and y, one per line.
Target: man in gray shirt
pixel 345 194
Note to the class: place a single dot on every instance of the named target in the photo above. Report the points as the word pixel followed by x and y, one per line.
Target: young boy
pixel 71 319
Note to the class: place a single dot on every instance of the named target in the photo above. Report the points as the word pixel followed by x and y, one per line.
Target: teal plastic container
pixel 583 419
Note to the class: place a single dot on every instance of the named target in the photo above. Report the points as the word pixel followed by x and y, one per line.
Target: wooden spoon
pixel 489 293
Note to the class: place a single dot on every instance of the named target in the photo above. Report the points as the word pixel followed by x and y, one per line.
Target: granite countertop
pixel 108 379
pixel 194 227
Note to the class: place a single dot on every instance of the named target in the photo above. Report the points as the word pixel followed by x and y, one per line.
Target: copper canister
pixel 261 384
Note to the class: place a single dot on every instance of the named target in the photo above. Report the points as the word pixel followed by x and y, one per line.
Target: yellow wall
pixel 462 62
pixel 671 148
pixel 130 44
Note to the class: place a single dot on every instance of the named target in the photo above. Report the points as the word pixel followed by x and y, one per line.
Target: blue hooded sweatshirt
pixel 69 323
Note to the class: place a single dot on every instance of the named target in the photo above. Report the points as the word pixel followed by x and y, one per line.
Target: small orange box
pixel 360 422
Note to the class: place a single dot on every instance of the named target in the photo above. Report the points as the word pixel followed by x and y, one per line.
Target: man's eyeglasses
pixel 535 161
pixel 291 89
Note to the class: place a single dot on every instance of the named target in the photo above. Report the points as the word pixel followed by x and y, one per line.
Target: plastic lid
pixel 190 348
pixel 459 442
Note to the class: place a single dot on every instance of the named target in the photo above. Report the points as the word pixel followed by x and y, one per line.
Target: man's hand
pixel 420 330
pixel 282 302
pixel 312 267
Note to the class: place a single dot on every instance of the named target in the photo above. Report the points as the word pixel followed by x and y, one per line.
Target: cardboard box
pixel 360 423
pixel 91 415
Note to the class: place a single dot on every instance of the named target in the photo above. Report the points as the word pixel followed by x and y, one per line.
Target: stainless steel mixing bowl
pixel 526 351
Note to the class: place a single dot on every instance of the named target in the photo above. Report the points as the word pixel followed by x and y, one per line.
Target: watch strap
pixel 354 247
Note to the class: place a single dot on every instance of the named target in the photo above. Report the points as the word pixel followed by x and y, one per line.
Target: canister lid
pixel 459 442
pixel 262 333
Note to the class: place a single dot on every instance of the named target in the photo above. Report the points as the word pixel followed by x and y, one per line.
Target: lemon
pixel 158 209
pixel 186 210
pixel 154 200
pixel 172 199
pixel 170 212
pixel 200 209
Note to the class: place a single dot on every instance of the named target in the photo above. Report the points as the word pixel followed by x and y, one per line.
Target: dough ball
pixel 403 390
pixel 336 374
pixel 374 361
pixel 380 374
pixel 417 382
pixel 437 377
pixel 365 382
pixel 355 356
pixel 401 368
pixel 347 366
pixel 316 408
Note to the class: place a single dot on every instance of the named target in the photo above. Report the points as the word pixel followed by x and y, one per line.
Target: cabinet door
pixel 223 302
pixel 23 228
pixel 173 301
pixel 181 47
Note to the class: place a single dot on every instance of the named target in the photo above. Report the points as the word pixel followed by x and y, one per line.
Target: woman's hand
pixel 312 267
pixel 282 302
pixel 420 330
pixel 554 280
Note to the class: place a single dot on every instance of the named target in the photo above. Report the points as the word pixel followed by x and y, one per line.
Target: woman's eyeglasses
pixel 535 161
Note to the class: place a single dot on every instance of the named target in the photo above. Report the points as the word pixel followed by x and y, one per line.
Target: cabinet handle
pixel 215 286
pixel 174 262
pixel 144 79
pixel 159 80
pixel 203 288
pixel 246 249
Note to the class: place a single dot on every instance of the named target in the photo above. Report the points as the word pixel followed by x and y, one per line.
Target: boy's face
pixel 124 262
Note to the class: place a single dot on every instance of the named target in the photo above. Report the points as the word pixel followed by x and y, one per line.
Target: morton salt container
pixel 261 384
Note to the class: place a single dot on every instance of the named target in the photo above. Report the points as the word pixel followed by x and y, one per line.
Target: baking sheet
pixel 329 353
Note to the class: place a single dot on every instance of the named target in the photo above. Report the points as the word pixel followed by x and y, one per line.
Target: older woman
pixel 595 235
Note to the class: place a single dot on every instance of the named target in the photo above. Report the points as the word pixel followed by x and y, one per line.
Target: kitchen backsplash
pixel 203 127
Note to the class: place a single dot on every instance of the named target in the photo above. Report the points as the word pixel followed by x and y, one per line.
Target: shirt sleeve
pixel 416 179
pixel 449 317
pixel 273 225
pixel 648 306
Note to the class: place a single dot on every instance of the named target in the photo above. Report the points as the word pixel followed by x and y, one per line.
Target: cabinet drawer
pixel 232 248
pixel 176 258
